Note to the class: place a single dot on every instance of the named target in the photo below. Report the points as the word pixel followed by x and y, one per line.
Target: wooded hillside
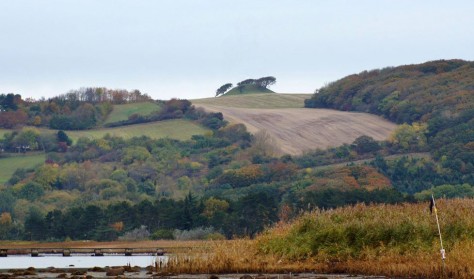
pixel 434 100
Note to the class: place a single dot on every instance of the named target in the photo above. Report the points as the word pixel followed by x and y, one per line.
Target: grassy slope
pixel 261 100
pixel 247 89
pixel 122 112
pixel 176 129
pixel 10 164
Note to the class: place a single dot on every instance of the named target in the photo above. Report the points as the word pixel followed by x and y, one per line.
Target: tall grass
pixel 391 240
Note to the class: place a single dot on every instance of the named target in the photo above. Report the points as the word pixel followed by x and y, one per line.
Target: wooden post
pixel 66 253
pixel 98 252
pixel 34 253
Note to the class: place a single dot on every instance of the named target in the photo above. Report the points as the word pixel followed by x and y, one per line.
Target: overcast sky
pixel 188 48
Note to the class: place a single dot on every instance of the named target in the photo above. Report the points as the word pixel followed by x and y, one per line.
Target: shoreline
pixel 139 272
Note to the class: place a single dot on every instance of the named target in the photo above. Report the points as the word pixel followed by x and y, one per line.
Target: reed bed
pixel 391 240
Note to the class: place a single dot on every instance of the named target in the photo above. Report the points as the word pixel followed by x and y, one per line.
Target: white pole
pixel 443 253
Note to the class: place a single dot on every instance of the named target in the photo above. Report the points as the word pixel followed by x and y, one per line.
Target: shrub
pixel 137 234
pixel 162 234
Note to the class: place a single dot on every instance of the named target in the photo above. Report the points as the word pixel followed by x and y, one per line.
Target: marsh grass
pixel 391 240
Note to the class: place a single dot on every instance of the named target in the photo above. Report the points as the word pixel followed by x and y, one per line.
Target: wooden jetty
pixel 66 252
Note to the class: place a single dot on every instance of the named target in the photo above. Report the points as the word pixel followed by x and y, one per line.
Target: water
pixel 78 261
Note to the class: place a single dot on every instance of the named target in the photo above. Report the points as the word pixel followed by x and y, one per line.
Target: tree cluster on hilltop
pixel 261 83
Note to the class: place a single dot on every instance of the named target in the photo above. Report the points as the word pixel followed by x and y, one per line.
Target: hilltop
pixel 247 89
pixel 248 86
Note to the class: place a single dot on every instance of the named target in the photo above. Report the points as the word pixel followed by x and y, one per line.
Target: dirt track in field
pixel 295 130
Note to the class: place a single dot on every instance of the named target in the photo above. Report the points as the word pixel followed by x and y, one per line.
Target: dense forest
pixel 224 183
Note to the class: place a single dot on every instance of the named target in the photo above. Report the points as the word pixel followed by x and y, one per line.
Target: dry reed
pixel 370 240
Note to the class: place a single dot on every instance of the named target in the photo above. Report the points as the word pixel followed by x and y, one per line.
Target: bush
pixel 162 234
pixel 137 234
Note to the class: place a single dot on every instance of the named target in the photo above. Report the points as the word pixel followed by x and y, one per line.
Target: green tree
pixel 266 81
pixel 221 90
pixel 63 137
pixel 35 225
pixel 410 137
pixel 27 139
pixel 31 191
pixel 365 144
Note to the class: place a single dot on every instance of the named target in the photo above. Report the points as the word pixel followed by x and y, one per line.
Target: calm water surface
pixel 78 261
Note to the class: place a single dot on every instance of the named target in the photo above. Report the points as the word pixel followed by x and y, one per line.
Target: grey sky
pixel 188 48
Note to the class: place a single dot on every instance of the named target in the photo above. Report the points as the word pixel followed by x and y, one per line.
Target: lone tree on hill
pixel 221 90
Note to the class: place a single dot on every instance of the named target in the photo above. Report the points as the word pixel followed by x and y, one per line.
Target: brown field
pixel 295 130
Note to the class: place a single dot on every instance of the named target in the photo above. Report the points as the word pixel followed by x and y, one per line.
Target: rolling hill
pixel 293 128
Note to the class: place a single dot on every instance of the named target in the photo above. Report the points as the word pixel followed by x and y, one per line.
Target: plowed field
pixel 294 129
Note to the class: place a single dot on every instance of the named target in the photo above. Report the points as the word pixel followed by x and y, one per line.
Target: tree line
pixel 79 109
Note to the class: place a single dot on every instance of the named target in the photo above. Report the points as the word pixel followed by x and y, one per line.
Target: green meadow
pixel 122 112
pixel 8 165
pixel 175 129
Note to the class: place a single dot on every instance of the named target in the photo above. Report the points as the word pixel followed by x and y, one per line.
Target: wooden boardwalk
pixel 66 252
